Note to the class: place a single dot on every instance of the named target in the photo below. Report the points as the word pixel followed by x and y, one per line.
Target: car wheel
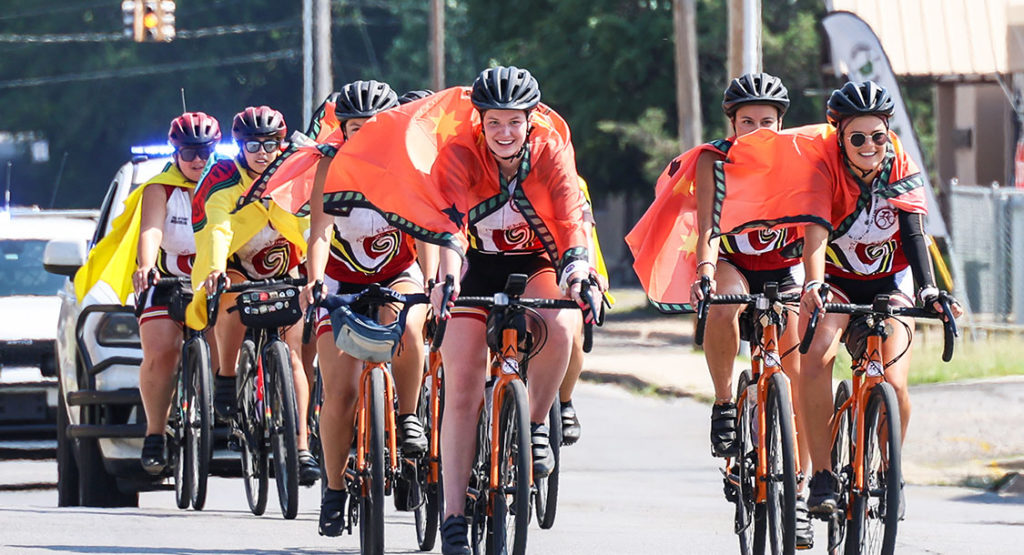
pixel 67 468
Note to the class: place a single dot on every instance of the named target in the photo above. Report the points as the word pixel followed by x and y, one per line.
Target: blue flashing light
pixel 227 150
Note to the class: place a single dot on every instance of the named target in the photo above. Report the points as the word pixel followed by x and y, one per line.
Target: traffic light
pixel 149 20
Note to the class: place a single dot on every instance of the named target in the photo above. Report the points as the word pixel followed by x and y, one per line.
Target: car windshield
pixel 21 269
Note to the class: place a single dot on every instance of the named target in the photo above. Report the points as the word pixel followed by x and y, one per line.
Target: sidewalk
pixel 964 433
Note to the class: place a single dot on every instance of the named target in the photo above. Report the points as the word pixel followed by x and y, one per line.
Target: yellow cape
pixel 598 257
pixel 115 258
pixel 220 230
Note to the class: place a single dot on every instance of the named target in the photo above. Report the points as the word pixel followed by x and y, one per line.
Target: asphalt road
pixel 640 481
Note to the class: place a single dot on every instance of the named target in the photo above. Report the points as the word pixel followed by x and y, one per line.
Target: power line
pixel 49 10
pixel 182 34
pixel 287 54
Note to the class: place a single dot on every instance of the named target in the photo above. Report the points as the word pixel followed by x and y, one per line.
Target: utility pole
pixel 684 19
pixel 744 37
pixel 307 60
pixel 322 79
pixel 437 44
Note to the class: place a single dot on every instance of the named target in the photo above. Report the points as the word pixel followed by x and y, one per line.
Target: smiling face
pixel 259 160
pixel 751 117
pixel 505 131
pixel 867 156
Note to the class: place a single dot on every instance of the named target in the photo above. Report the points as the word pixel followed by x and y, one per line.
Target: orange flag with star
pixel 664 241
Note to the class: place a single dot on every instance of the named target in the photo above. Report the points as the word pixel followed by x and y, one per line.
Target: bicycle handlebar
pixel 812 322
pixel 770 294
pixel 881 308
pixel 309 317
pixel 442 318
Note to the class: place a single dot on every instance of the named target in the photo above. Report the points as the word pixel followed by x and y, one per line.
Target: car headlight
pixel 118 329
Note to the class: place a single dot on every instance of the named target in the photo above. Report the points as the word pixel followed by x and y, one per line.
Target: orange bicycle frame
pixel 502 376
pixel 362 416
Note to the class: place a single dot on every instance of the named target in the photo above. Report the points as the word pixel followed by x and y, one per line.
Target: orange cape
pixel 440 176
pixel 798 176
pixel 664 241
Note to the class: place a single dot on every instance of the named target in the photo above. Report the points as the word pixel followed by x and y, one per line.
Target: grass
pixel 985 358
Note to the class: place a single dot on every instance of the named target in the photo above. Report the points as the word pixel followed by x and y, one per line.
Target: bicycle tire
pixel 781 472
pixel 740 481
pixel 875 515
pixel 250 432
pixel 841 457
pixel 509 518
pixel 179 450
pixel 371 503
pixel 426 514
pixel 199 419
pixel 279 386
pixel 547 488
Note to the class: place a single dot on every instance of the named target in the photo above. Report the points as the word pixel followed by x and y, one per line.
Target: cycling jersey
pixel 504 229
pixel 114 259
pixel 366 249
pixel 222 229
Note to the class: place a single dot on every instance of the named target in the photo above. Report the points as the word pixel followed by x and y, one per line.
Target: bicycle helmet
pixel 363 99
pixel 414 95
pixel 258 121
pixel 865 98
pixel 505 88
pixel 363 338
pixel 193 129
pixel 755 88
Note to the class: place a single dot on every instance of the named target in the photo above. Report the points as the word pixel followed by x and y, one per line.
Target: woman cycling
pixel 878 235
pixel 350 249
pixel 248 243
pixel 735 264
pixel 166 248
pixel 515 156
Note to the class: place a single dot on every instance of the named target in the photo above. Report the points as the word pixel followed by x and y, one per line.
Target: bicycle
pixel 191 419
pixel 866 432
pixel 430 509
pixel 373 472
pixel 266 418
pixel 500 484
pixel 762 479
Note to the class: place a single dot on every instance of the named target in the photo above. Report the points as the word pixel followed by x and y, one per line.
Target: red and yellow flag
pixel 664 241
pixel 798 176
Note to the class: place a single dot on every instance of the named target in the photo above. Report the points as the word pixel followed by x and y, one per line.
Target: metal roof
pixel 944 38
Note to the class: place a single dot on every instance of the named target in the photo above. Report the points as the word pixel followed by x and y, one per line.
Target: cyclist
pixel 735 264
pixel 154 233
pixel 348 250
pixel 255 241
pixel 516 152
pixel 879 235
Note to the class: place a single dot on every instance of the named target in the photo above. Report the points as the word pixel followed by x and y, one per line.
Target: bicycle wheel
pixel 371 503
pixel 780 484
pixel 198 418
pixel 479 482
pixel 426 513
pixel 179 449
pixel 547 488
pixel 279 384
pixel 249 430
pixel 875 514
pixel 741 478
pixel 841 466
pixel 510 502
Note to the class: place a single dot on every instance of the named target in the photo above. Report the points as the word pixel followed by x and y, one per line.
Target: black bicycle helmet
pixel 414 95
pixel 364 99
pixel 755 88
pixel 193 129
pixel 865 98
pixel 505 88
pixel 258 121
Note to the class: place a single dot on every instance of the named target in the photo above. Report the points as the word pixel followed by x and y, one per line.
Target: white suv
pixel 29 304
pixel 100 421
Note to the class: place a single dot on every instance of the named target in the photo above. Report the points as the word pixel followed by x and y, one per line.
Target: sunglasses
pixel 188 154
pixel 878 137
pixel 252 147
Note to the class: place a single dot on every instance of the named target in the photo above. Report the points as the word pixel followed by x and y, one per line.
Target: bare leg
pixel 161 349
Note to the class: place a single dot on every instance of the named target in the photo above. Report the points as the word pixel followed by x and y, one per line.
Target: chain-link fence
pixel 987 228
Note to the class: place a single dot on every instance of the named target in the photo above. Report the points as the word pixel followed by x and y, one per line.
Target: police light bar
pixel 228 150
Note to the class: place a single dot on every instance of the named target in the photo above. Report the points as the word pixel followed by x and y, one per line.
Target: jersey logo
pixel 885 218
pixel 273 260
pixel 520 237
